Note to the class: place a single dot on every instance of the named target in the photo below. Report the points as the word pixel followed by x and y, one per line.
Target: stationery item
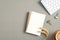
pixel 51 5
pixel 57 35
pixel 56 16
pixel 49 22
pixel 44 31
pixel 35 21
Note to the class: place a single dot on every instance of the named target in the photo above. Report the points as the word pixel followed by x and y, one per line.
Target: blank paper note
pixel 35 21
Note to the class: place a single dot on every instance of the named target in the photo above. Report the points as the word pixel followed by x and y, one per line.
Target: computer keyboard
pixel 51 5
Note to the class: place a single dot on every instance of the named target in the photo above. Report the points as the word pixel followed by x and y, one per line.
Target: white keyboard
pixel 51 5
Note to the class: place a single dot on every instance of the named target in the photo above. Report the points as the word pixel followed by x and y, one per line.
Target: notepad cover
pixel 35 21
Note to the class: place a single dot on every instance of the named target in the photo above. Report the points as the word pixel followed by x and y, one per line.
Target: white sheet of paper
pixel 51 5
pixel 36 20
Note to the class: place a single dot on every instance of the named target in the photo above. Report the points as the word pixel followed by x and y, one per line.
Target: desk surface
pixel 13 19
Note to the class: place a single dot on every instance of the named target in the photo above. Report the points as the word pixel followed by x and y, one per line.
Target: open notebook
pixel 51 5
pixel 35 21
